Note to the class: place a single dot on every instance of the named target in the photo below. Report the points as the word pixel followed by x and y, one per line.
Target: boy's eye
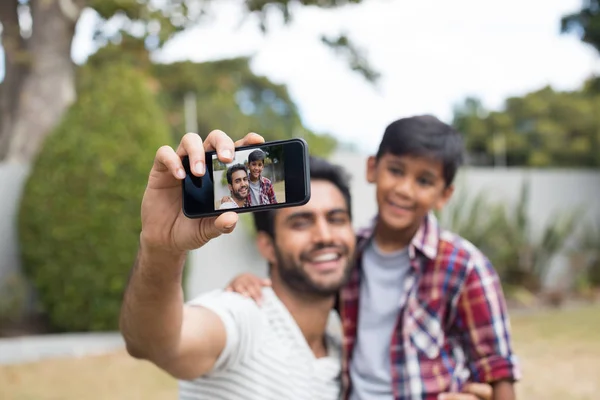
pixel 395 171
pixel 425 182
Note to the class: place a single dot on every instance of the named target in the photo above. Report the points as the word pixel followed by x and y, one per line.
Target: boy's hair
pixel 320 169
pixel 427 136
pixel 256 155
pixel 234 168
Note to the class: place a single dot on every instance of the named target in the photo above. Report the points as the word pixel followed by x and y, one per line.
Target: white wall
pixel 225 257
pixel 12 179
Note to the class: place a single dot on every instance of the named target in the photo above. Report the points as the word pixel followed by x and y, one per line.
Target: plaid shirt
pixel 267 193
pixel 452 321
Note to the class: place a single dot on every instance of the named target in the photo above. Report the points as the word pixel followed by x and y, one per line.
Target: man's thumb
pixel 225 223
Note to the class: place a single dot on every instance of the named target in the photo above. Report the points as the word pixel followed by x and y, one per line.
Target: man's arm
pixel 157 326
pixel 482 319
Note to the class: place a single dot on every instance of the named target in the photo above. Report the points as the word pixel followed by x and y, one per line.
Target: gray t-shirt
pixel 381 288
pixel 254 193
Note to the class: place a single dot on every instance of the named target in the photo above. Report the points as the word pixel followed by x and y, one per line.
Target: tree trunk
pixel 40 87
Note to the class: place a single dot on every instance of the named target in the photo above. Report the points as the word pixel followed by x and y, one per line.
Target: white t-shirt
pixel 266 356
pixel 228 204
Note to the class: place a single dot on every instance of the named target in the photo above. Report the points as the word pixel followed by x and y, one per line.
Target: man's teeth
pixel 326 257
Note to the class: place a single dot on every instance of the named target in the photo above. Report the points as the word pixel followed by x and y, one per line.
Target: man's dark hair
pixel 424 136
pixel 320 169
pixel 234 168
pixel 256 155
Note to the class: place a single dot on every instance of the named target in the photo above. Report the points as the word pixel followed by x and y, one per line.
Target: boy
pixel 261 188
pixel 431 314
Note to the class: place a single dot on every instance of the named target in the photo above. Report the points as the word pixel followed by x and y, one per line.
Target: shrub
pixel 79 221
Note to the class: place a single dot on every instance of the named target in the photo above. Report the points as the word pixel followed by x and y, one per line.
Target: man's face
pixel 408 187
pixel 256 168
pixel 239 184
pixel 314 243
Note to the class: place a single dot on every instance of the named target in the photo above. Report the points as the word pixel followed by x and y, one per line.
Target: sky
pixel 431 54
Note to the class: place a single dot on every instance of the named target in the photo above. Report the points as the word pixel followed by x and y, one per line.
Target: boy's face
pixel 407 187
pixel 256 168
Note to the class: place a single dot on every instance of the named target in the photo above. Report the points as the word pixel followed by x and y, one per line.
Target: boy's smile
pixel 408 187
pixel 256 168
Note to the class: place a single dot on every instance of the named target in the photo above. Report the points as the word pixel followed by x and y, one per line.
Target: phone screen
pixel 271 175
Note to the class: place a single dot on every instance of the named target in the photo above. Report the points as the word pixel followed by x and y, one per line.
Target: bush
pixel 79 221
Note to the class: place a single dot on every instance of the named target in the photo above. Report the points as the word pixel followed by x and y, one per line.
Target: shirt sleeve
pixel 244 325
pixel 482 319
pixel 271 192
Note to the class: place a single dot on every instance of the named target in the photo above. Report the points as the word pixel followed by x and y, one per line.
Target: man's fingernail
pixel 199 167
pixel 180 173
pixel 227 154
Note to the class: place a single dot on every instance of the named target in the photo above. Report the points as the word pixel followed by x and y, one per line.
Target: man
pixel 237 181
pixel 222 345
pixel 261 188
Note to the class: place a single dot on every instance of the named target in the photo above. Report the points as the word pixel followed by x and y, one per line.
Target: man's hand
pixel 471 391
pixel 164 226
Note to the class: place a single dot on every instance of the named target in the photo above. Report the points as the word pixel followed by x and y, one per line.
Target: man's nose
pixel 322 232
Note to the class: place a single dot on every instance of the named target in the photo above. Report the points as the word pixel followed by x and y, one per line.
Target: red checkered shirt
pixel 452 321
pixel 267 193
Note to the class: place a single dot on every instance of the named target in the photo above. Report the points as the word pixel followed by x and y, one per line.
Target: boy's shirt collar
pixel 426 240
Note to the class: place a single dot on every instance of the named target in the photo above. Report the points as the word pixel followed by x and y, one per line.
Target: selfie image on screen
pixel 254 178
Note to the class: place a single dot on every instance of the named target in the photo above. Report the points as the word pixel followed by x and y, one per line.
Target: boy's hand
pixel 471 391
pixel 249 285
pixel 226 199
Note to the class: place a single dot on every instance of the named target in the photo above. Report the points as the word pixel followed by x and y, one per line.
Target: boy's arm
pixel 482 318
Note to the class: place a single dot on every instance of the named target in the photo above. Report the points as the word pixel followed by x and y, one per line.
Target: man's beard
pixel 236 194
pixel 296 278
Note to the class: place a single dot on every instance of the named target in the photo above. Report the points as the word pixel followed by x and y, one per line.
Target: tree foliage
pixel 229 96
pixel 79 221
pixel 585 23
pixel 544 128
pixel 37 37
pixel 156 22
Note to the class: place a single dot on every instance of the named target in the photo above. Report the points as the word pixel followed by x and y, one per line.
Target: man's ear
pixel 265 246
pixel 371 169
pixel 445 197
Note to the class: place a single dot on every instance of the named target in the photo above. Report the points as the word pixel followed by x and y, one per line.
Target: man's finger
pixel 191 145
pixel 167 160
pixel 250 139
pixel 211 228
pixel 219 141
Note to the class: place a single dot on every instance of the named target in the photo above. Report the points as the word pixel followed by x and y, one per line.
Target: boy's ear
pixel 445 197
pixel 264 243
pixel 371 169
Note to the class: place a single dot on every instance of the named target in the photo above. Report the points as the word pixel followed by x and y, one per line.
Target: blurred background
pixel 91 88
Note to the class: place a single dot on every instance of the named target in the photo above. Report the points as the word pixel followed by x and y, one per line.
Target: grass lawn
pixel 559 350
pixel 279 189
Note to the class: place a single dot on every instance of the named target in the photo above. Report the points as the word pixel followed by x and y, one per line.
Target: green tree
pixel 79 220
pixel 585 23
pixel 543 128
pixel 39 80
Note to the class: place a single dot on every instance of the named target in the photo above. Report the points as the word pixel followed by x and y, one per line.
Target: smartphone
pixel 260 177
